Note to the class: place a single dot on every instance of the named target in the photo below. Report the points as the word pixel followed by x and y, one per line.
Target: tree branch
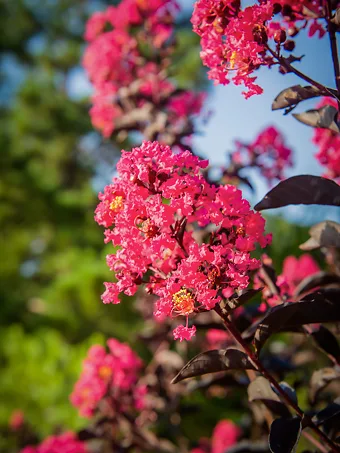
pixel 283 62
pixel 334 48
pixel 238 337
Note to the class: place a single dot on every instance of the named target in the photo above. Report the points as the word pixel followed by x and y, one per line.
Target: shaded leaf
pixel 284 434
pixel 336 18
pixel 237 300
pixel 247 446
pixel 327 341
pixel 260 390
pixel 323 234
pixel 225 381
pixel 315 280
pixel 320 379
pixel 214 361
pixel 324 117
pixel 291 96
pixel 86 434
pixel 302 189
pixel 331 411
pixel 319 307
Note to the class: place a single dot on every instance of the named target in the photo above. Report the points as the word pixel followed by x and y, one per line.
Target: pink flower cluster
pixel 268 152
pixel 150 212
pixel 293 272
pixel 224 436
pixel 111 374
pixel 328 143
pixel 218 339
pixel 17 419
pixel 127 62
pixel 234 41
pixel 65 443
pixel 296 269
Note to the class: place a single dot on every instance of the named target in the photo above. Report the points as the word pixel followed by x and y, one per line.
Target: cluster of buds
pixel 127 61
pixel 150 213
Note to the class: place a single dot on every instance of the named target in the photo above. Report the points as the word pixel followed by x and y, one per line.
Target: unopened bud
pixel 293 31
pixel 280 36
pixel 277 8
pixel 289 45
pixel 260 34
pixel 287 10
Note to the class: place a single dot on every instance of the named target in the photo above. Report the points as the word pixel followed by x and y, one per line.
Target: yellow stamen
pixel 105 372
pixel 117 203
pixel 183 301
pixel 149 229
pixel 232 60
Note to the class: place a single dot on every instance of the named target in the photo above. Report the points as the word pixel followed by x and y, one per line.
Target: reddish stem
pixel 238 337
pixel 334 49
pixel 283 62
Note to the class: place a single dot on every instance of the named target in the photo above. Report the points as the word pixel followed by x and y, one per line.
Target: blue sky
pixel 236 118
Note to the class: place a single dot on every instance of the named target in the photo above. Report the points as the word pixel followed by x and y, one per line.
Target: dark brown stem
pixel 334 48
pixel 283 62
pixel 238 337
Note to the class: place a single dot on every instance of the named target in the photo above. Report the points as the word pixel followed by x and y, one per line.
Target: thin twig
pixel 334 48
pixel 283 62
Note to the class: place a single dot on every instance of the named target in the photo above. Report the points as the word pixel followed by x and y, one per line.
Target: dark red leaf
pixel 302 189
pixel 284 434
pixel 322 306
pixel 214 361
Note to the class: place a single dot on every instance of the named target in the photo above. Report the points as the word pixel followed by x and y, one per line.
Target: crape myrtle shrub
pixel 191 250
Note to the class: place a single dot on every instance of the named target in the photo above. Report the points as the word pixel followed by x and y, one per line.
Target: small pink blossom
pixel 184 333
pixel 296 269
pixel 268 153
pixel 17 419
pixel 328 143
pixel 107 373
pixel 217 339
pixel 65 443
pixel 224 436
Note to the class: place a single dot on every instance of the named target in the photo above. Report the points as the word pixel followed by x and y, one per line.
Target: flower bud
pixel 287 10
pixel 260 34
pixel 277 8
pixel 292 31
pixel 289 45
pixel 280 36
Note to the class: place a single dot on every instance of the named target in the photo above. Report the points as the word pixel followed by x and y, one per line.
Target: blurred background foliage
pixel 52 253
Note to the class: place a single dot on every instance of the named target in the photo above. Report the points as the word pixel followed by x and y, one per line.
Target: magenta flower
pixel 150 211
pixel 66 443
